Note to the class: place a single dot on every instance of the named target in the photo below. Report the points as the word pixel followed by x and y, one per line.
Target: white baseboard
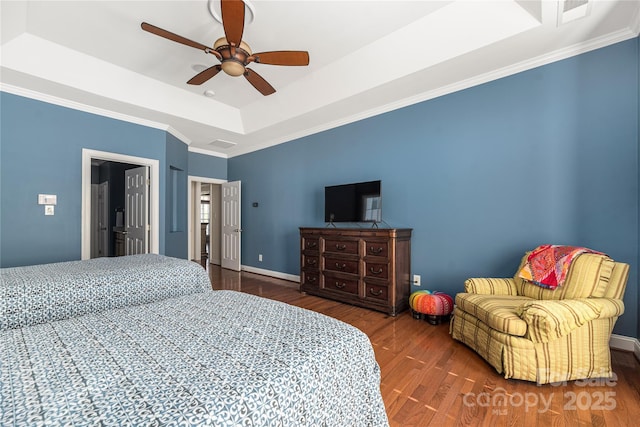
pixel 271 273
pixel 621 342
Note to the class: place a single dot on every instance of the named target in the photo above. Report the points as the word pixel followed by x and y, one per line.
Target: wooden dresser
pixel 366 267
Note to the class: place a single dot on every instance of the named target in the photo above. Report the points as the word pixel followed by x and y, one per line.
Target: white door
pixel 103 219
pixel 136 211
pixel 230 257
pixel 95 228
pixel 99 219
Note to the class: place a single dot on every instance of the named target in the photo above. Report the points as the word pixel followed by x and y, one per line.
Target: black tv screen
pixel 358 202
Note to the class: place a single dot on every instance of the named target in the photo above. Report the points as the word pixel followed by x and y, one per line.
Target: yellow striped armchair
pixel 531 333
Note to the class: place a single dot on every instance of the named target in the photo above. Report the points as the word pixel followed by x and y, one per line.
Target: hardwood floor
pixel 428 379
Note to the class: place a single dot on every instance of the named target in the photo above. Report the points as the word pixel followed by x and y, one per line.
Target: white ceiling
pixel 366 57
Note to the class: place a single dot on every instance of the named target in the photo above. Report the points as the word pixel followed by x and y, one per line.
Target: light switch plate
pixel 48 210
pixel 47 199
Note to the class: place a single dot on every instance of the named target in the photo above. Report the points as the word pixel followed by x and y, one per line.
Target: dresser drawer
pixel 310 243
pixel 340 264
pixel 334 283
pixel 341 246
pixel 310 278
pixel 377 292
pixel 376 270
pixel 310 262
pixel 376 248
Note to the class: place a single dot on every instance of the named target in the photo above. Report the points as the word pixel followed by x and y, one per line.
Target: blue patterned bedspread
pixel 42 293
pixel 215 358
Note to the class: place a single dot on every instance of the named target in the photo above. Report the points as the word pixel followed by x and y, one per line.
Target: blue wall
pixel 482 175
pixel 41 152
pixel 204 166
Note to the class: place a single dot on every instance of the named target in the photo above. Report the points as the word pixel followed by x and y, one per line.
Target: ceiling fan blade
pixel 173 37
pixel 283 57
pixel 205 75
pixel 233 20
pixel 258 82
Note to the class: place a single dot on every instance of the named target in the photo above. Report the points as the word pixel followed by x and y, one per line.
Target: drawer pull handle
pixel 312 244
pixel 341 267
pixel 375 250
pixel 341 247
pixel 312 261
pixel 376 271
pixel 374 293
pixel 340 285
pixel 312 279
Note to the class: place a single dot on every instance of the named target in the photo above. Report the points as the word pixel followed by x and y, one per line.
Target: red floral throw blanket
pixel 547 265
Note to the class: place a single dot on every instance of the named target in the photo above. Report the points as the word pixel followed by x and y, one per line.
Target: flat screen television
pixel 358 202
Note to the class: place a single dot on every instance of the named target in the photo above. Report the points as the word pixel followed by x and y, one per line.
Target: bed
pixel 174 353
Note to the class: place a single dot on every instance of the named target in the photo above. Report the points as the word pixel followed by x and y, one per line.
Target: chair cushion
pixel 499 312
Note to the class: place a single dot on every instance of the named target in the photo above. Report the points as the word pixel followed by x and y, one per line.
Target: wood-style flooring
pixel 428 379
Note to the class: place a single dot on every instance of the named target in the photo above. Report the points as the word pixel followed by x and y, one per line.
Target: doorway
pixel 204 219
pixel 214 222
pixel 119 209
pixel 94 157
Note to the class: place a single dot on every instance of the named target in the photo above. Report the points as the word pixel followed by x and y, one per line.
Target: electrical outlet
pixel 260 257
pixel 416 279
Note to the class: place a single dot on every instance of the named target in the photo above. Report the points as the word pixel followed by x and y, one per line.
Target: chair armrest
pixel 489 286
pixel 610 307
pixel 548 320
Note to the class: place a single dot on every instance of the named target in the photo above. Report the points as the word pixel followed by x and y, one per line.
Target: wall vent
pixel 221 143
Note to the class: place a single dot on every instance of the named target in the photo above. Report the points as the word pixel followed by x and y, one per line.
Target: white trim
pixel 557 55
pixel 520 67
pixel 270 273
pixel 67 103
pixel 178 135
pixel 621 342
pixel 635 22
pixel 190 180
pixel 208 152
pixel 154 206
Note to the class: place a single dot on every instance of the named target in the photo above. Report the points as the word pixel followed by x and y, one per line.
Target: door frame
pixel 154 193
pixel 190 212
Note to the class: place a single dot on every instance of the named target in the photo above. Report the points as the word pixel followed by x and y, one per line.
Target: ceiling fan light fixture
pixel 233 68
pixel 233 59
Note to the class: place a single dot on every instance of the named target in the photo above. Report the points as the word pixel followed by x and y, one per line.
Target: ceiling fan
pixel 233 53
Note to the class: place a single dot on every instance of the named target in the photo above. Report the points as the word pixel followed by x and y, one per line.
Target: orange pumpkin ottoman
pixel 434 307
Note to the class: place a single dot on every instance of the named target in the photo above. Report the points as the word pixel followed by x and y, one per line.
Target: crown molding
pixel 208 152
pixel 178 135
pixel 522 66
pixel 528 64
pixel 635 22
pixel 67 103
